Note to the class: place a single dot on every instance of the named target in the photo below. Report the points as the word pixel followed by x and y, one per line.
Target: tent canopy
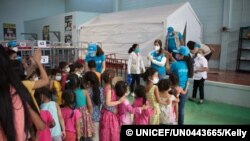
pixel 118 31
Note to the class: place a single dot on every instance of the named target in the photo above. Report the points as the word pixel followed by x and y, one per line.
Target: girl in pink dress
pixel 125 109
pixel 109 125
pixel 140 100
pixel 71 117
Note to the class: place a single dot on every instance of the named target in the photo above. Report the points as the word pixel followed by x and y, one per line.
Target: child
pixel 152 93
pixel 176 90
pixel 92 67
pixel 44 94
pixel 109 125
pixel 45 135
pixel 140 100
pixel 64 69
pixel 84 105
pixel 71 117
pixel 92 84
pixel 200 75
pixel 167 115
pixel 56 86
pixel 124 109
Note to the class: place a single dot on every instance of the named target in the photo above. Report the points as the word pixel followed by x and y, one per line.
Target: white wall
pixel 101 6
pixel 18 11
pixel 56 23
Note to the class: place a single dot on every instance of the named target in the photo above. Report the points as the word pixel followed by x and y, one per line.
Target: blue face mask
pixel 137 50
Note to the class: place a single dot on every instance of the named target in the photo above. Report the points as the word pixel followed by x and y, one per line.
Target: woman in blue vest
pixel 96 54
pixel 183 69
pixel 157 59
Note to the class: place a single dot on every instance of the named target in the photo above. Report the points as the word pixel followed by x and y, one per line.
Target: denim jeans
pixel 183 99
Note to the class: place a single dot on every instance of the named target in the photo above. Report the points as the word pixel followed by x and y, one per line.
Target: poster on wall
pixel 68 30
pixel 9 31
pixel 46 33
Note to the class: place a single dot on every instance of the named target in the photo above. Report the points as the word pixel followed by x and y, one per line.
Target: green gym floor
pixel 216 114
pixel 211 113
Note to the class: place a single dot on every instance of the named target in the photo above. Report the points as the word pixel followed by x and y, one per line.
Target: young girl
pixel 45 135
pixel 177 90
pixel 56 86
pixel 140 100
pixel 57 132
pixel 151 78
pixel 84 105
pixel 18 111
pixel 71 117
pixel 125 109
pixel 167 115
pixel 96 94
pixel 109 125
pixel 64 69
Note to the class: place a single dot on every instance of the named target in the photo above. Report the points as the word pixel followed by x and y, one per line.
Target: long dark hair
pixel 91 79
pixel 149 72
pixel 9 78
pixel 99 51
pixel 108 75
pixel 140 91
pixel 131 49
pixel 68 98
pixel 160 43
pixel 73 82
pixel 121 88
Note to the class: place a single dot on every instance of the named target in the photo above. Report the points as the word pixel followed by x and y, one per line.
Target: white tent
pixel 118 31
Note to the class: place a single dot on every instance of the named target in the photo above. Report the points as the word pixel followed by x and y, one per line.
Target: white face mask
pixel 58 78
pixel 199 55
pixel 36 78
pixel 155 80
pixel 157 48
pixel 67 69
pixel 92 54
pixel 78 74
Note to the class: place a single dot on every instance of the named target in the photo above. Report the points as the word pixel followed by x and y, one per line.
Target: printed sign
pixel 45 60
pixel 9 31
pixel 41 43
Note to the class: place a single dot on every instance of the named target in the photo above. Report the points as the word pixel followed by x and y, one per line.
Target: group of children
pixel 76 106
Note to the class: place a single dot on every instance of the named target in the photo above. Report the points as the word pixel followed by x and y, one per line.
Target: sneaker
pixel 200 102
pixel 191 99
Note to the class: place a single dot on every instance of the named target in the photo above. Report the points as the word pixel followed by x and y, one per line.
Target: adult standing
pixel 194 47
pixel 200 75
pixel 135 66
pixel 174 40
pixel 183 69
pixel 157 59
pixel 96 53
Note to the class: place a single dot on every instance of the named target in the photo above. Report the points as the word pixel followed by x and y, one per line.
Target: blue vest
pixel 160 69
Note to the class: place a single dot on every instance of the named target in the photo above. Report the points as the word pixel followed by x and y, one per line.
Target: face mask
pixel 157 48
pixel 25 72
pixel 171 34
pixel 67 69
pixel 92 54
pixel 58 78
pixel 36 78
pixel 78 74
pixel 199 55
pixel 155 80
pixel 137 50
